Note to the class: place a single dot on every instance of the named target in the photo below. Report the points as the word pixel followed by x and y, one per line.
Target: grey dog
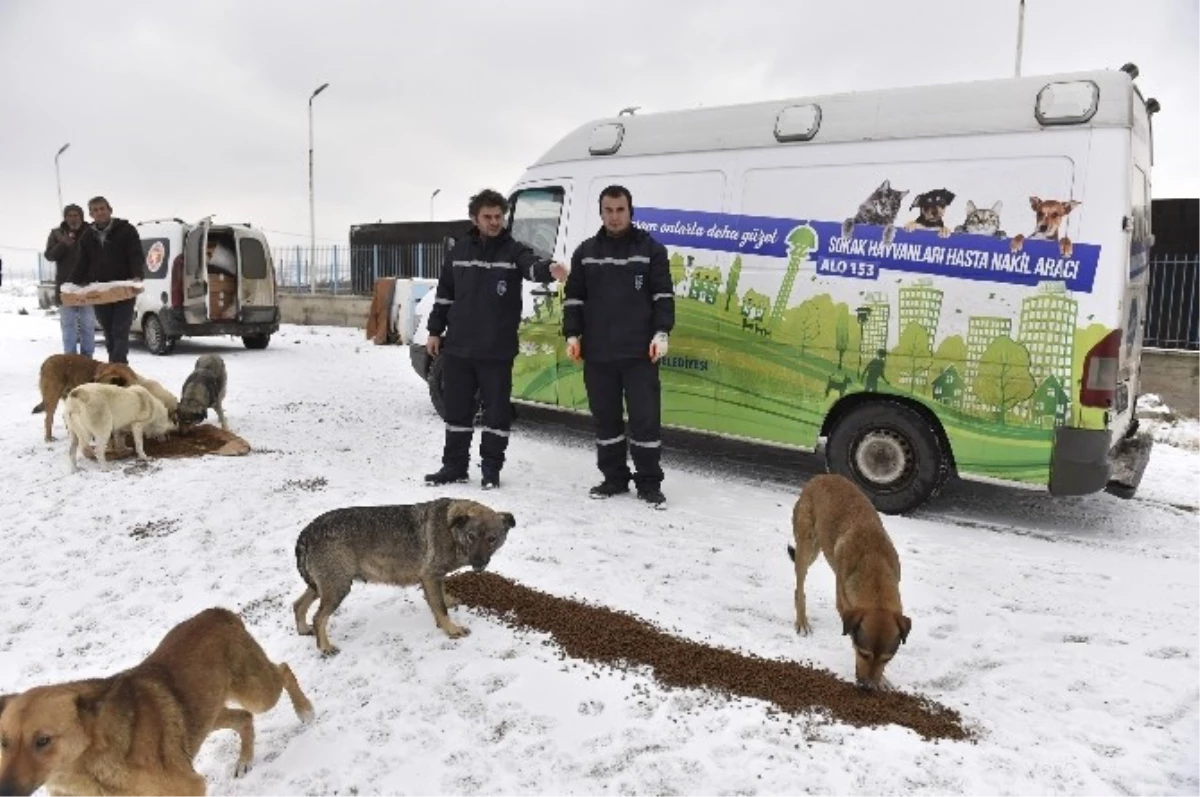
pixel 204 388
pixel 402 545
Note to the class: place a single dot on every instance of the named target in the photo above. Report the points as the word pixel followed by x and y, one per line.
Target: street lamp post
pixel 57 177
pixel 436 191
pixel 312 214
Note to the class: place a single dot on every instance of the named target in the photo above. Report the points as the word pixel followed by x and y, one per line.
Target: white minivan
pixel 205 279
pixel 933 281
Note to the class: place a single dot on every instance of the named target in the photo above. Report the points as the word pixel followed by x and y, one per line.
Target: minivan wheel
pixel 891 452
pixel 156 337
pixel 256 341
pixel 436 390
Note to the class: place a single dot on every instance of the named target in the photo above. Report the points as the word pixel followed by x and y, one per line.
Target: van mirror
pixel 797 122
pixel 606 138
pixel 1068 103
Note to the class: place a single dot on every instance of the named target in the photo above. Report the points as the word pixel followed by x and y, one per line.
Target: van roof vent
pixel 606 138
pixel 798 122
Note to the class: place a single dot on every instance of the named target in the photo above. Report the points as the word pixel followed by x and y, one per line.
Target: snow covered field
pixel 1064 631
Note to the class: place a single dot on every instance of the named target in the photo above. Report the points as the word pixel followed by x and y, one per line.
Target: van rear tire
pixel 157 341
pixel 891 452
pixel 256 341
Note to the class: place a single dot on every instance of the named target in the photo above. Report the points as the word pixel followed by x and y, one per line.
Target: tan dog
pixel 1051 217
pixel 62 373
pixel 162 394
pixel 832 516
pixel 138 732
pixel 96 412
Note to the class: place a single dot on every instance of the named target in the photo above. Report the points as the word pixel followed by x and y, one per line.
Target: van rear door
pixel 256 279
pixel 1134 303
pixel 195 284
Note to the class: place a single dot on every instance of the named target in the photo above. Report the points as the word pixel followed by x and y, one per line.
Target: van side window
pixel 254 259
pixel 534 216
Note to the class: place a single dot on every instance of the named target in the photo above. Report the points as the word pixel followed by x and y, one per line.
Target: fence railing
pixel 352 270
pixel 1173 304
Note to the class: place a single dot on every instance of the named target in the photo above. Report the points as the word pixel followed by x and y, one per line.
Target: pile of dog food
pixel 615 639
pixel 195 442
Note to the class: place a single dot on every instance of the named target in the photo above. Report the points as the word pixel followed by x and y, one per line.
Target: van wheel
pixel 436 390
pixel 156 337
pixel 891 452
pixel 256 341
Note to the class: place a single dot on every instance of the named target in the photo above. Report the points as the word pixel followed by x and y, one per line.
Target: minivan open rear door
pixel 195 282
pixel 256 279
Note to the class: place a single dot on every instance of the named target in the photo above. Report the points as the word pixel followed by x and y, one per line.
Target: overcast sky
pixel 189 109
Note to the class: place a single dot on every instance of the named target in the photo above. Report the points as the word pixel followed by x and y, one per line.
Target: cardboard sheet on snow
pixel 195 442
pixel 100 292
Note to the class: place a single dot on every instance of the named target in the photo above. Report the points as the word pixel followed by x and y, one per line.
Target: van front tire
pixel 891 452
pixel 157 341
pixel 256 341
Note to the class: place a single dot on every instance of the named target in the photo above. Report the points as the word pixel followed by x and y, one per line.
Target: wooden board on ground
pixel 195 442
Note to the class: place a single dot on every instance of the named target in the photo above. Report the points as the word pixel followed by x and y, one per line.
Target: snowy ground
pixel 1065 631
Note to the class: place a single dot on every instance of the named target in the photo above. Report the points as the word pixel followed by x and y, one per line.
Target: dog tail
pixel 792 552
pixel 41 407
pixel 302 547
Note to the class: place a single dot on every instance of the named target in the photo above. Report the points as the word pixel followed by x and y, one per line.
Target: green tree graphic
pixel 951 352
pixel 800 241
pixel 677 268
pixel 1003 379
pixel 808 323
pixel 912 357
pixel 731 285
pixel 841 332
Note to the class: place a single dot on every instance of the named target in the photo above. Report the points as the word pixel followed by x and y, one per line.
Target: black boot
pixel 607 489
pixel 445 476
pixel 653 496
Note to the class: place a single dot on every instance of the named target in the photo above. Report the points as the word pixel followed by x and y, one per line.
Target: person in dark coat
pixel 78 322
pixel 618 312
pixel 111 251
pixel 478 307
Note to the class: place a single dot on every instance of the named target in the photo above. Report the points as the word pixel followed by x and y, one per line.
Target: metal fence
pixel 352 270
pixel 1173 309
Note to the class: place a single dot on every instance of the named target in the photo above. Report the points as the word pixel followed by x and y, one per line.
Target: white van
pixel 930 281
pixel 205 279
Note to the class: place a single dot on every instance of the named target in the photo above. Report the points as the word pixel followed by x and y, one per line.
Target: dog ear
pixel 1035 202
pixel 4 700
pixel 905 626
pixel 509 520
pixel 949 196
pixel 916 201
pixel 851 620
pixel 1070 205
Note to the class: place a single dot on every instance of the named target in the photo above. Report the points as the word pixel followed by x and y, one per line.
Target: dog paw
pixel 452 601
pixel 910 226
pixel 1066 247
pixel 944 232
pixel 1016 243
pixel 307 714
pixel 241 768
pixel 330 651
pixel 803 628
pixel 456 631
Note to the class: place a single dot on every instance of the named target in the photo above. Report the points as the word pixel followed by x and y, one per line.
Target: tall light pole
pixel 1020 35
pixel 57 177
pixel 312 213
pixel 436 191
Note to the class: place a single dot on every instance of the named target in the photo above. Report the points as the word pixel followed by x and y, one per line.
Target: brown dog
pixel 137 732
pixel 1051 217
pixel 832 516
pixel 62 373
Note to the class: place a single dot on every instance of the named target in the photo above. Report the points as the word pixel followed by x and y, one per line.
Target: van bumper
pixel 1082 462
pixel 419 357
pixel 175 325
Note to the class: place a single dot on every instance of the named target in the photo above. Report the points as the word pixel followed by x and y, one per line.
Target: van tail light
pixel 177 282
pixel 1100 367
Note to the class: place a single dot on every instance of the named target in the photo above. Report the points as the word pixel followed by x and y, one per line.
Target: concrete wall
pixel 1175 377
pixel 319 310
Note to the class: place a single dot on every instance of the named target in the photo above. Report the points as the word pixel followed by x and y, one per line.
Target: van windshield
pixel 534 220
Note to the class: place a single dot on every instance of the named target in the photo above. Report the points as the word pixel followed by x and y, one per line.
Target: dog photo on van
pixel 1050 219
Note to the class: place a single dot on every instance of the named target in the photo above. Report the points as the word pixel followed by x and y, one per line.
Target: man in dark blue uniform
pixel 479 299
pixel 618 311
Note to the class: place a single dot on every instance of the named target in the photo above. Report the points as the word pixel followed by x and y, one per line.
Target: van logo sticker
pixel 823 248
pixel 501 288
pixel 637 282
pixel 156 256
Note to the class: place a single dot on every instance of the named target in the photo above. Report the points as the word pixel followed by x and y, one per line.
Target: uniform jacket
pixel 479 296
pixel 618 295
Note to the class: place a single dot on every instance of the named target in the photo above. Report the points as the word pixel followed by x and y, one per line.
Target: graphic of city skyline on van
pixel 779 318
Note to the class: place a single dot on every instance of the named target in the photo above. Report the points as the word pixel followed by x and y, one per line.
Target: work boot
pixel 652 496
pixel 491 478
pixel 607 489
pixel 446 475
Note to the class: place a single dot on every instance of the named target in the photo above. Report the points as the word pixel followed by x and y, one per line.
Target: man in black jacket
pixel 618 311
pixel 110 251
pixel 479 298
pixel 78 321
